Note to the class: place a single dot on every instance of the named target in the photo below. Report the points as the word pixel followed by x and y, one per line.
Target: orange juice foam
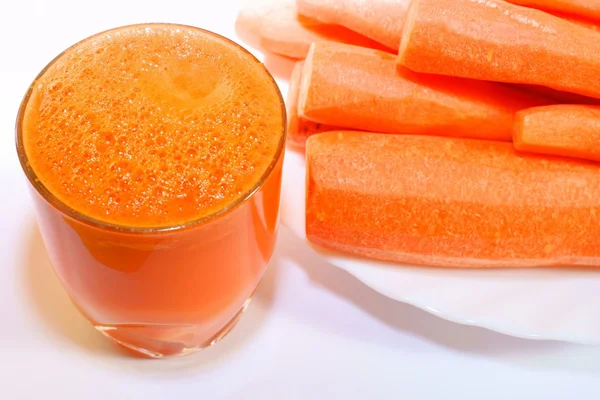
pixel 152 126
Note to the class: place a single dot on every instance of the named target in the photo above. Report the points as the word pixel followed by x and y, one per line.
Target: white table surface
pixel 313 331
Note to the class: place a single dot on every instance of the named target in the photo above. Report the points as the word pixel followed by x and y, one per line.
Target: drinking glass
pixel 162 291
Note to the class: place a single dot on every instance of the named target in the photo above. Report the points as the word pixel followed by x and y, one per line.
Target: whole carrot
pixel 563 130
pixel 497 41
pixel 450 202
pixel 380 20
pixel 299 129
pixel 277 27
pixel 588 9
pixel 361 89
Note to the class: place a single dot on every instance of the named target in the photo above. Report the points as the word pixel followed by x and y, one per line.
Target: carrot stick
pixel 277 27
pixel 497 41
pixel 380 20
pixel 450 202
pixel 589 9
pixel 563 130
pixel 361 89
pixel 299 129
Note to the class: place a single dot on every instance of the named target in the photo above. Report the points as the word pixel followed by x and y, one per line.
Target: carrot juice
pixel 154 154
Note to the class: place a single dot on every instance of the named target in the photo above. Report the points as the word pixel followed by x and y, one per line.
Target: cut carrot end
pixel 304 83
pixel 517 129
pixel 561 130
pixel 299 128
pixel 292 105
pixel 409 24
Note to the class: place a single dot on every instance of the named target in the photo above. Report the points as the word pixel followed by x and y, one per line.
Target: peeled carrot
pixel 497 41
pixel 589 9
pixel 380 20
pixel 450 202
pixel 360 89
pixel 299 129
pixel 563 130
pixel 276 27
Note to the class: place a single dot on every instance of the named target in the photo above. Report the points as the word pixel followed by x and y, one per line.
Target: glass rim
pixel 69 211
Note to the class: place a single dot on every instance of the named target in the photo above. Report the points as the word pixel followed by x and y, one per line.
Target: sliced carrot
pixel 299 129
pixel 589 9
pixel 497 41
pixel 275 26
pixel 380 20
pixel 563 130
pixel 361 89
pixel 450 202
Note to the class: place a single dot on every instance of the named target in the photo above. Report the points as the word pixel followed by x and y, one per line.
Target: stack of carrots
pixel 449 133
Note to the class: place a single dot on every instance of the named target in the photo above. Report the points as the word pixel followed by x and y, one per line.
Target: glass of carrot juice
pixel 154 155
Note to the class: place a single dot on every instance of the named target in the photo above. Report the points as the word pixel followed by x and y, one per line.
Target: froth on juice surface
pixel 151 126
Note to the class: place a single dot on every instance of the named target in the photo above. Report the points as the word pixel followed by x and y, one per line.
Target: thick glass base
pixel 162 341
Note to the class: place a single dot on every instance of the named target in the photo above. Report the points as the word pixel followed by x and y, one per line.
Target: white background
pixel 313 331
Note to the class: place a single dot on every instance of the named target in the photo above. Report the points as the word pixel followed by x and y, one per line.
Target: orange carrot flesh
pixel 450 202
pixel 589 9
pixel 581 21
pixel 497 41
pixel 361 89
pixel 380 20
pixel 299 129
pixel 563 130
pixel 277 27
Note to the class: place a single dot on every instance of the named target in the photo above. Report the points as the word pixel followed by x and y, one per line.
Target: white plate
pixel 545 304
